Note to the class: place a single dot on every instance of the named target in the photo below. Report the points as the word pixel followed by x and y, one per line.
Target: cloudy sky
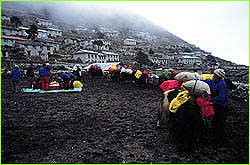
pixel 218 27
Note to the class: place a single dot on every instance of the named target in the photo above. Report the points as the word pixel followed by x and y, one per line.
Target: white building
pixel 10 31
pixel 189 60
pixel 81 29
pixel 88 56
pixel 10 40
pixel 42 49
pixel 44 22
pixel 54 32
pixel 41 33
pixel 158 59
pixel 111 57
pixel 109 32
pixel 5 18
pixel 130 42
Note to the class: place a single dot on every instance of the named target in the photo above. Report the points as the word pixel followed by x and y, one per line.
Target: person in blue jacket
pixel 15 76
pixel 219 97
pixel 44 74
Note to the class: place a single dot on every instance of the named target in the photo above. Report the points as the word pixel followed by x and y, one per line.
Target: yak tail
pixel 164 106
pixel 164 109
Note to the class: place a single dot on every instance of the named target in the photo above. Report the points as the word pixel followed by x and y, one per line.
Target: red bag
pixel 110 70
pixel 206 106
pixel 170 84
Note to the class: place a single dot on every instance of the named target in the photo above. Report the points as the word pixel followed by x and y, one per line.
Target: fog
pixel 109 14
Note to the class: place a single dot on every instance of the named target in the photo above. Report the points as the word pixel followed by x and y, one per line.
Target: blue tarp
pixel 29 90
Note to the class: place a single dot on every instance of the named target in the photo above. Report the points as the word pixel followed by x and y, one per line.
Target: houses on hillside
pixel 101 45
pixel 87 56
pixel 42 49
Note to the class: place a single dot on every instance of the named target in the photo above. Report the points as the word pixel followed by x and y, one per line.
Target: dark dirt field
pixel 107 122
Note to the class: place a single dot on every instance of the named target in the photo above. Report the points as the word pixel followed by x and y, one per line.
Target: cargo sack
pixel 207 108
pixel 166 75
pixel 110 70
pixel 54 83
pixel 114 67
pixel 129 71
pixel 197 87
pixel 170 84
pixel 180 99
pixel 138 74
pixel 197 76
pixel 207 76
pixel 123 70
pixel 77 84
pixel 185 76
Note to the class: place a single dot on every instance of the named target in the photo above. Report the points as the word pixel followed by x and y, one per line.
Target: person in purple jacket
pixel 15 76
pixel 219 97
pixel 66 79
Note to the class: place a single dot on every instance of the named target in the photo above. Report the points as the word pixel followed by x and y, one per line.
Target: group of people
pixel 188 121
pixel 66 80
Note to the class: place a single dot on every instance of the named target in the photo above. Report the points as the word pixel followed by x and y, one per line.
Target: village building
pixel 5 18
pixel 44 22
pixel 41 33
pixel 189 60
pixel 81 29
pixel 42 49
pixel 109 32
pixel 129 42
pixel 10 31
pixel 54 32
pixel 158 58
pixel 87 56
pixel 10 40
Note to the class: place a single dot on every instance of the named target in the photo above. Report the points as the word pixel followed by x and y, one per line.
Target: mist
pixel 115 15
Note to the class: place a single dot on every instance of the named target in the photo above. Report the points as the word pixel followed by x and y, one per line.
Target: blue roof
pixel 54 29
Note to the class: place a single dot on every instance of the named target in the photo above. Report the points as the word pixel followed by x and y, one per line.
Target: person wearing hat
pixel 15 76
pixel 219 97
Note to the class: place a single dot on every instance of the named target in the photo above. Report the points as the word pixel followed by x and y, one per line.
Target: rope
pixel 194 86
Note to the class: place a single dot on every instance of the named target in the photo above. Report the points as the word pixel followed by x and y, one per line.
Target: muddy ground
pixel 107 122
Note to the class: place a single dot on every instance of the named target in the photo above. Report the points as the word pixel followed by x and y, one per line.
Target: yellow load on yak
pixel 114 67
pixel 207 76
pixel 138 74
pixel 77 84
pixel 180 99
